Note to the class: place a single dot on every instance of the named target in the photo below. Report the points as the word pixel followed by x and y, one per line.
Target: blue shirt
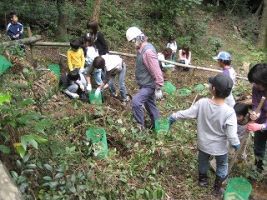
pixel 14 29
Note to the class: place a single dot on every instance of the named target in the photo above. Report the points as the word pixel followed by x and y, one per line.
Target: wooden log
pixel 27 41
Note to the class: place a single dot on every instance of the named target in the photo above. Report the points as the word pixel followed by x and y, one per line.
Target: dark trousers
pixel 260 139
pixel 146 97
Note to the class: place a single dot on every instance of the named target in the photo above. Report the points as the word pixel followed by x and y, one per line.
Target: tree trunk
pixel 262 40
pixel 61 22
pixel 96 11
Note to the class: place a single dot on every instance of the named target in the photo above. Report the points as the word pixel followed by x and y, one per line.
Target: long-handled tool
pixel 245 141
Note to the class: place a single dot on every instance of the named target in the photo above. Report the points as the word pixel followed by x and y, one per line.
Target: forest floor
pixel 140 165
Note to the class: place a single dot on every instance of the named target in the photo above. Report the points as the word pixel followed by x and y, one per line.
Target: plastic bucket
pixel 99 141
pixel 237 189
pixel 169 88
pixel 162 126
pixel 95 99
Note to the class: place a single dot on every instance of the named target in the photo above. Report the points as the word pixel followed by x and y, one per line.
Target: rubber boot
pixel 203 180
pixel 259 165
pixel 217 189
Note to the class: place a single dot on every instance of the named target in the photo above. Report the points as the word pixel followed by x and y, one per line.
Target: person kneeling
pixel 75 85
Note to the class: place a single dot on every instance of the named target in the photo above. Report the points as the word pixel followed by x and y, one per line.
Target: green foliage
pixel 215 44
pixel 17 123
pixel 16 50
pixel 237 7
pixel 4 149
pixel 4 98
pixel 140 165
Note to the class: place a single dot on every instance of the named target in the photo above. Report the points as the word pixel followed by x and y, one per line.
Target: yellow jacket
pixel 75 59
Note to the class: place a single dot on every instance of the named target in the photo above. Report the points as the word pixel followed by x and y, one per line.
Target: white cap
pixel 132 33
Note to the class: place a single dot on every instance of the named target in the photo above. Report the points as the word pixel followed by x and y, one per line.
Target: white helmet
pixel 132 33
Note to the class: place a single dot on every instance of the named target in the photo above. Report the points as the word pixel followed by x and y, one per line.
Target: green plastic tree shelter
pixel 4 64
pixel 184 92
pixel 237 189
pixel 162 126
pixel 93 99
pixel 169 88
pixel 99 142
pixel 55 69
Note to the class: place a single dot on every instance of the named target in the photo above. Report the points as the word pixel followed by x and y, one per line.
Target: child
pixel 224 62
pixel 98 38
pixel 75 56
pixel 165 55
pixel 185 57
pixel 113 65
pixel 75 85
pixel 91 51
pixel 257 76
pixel 216 123
pixel 173 46
pixel 241 111
pixel 90 54
pixel 14 28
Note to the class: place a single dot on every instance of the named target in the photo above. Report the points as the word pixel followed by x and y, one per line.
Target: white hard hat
pixel 132 33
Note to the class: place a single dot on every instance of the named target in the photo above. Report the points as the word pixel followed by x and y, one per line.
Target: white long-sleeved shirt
pixel 91 54
pixel 172 46
pixel 216 124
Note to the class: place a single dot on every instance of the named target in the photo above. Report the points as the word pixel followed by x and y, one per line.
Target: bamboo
pixel 66 44
pixel 52 44
pixel 179 64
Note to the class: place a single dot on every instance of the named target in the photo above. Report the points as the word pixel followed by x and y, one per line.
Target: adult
pixel 258 77
pixel 148 77
pixel 98 38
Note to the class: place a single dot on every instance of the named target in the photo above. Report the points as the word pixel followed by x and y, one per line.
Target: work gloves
pixel 255 127
pixel 236 147
pixel 158 94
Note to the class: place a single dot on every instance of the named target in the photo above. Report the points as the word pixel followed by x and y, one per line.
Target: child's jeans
pixel 221 164
pixel 123 90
